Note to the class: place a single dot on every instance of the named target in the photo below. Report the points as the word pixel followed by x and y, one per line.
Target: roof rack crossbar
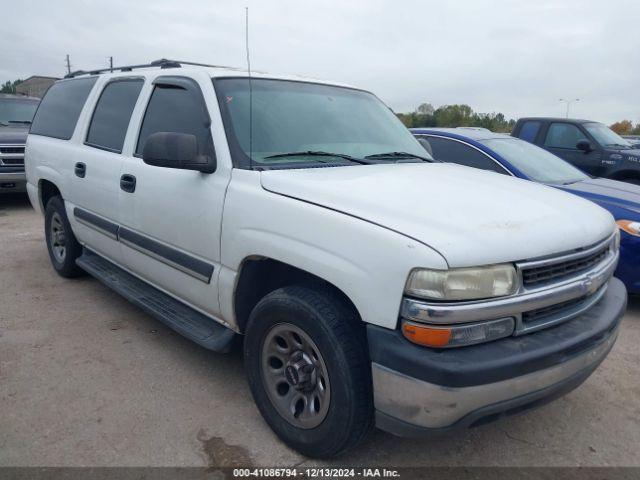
pixel 162 63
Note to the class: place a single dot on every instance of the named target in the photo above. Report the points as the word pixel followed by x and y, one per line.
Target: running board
pixel 175 314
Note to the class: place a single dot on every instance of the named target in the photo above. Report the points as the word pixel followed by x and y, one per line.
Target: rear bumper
pixel 12 181
pixel 420 391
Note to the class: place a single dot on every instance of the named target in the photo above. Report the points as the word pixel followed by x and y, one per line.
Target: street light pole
pixel 568 102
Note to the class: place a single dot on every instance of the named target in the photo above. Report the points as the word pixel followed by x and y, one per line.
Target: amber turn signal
pixel 427 336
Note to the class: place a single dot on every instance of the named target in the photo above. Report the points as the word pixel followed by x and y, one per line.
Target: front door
pixel 171 218
pixel 561 139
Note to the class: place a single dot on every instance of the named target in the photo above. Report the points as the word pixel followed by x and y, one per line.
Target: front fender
pixel 367 262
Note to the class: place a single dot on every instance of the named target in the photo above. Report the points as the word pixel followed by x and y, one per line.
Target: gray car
pixel 16 113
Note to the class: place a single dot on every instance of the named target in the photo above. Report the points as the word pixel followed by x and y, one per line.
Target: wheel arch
pixel 626 174
pixel 259 275
pixel 47 190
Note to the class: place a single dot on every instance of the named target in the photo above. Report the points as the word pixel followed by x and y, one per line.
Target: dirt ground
pixel 87 379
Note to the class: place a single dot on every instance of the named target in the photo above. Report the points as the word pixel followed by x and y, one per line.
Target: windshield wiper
pixel 313 153
pixel 397 155
pixel 24 122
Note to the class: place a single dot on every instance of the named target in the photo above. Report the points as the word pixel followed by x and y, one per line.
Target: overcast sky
pixel 517 57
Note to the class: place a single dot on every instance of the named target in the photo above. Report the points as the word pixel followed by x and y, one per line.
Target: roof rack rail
pixel 162 63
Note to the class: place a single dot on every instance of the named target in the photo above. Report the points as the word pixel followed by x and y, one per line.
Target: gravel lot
pixel 86 379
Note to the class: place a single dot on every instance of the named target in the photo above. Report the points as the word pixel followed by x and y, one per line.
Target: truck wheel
pixel 309 371
pixel 61 242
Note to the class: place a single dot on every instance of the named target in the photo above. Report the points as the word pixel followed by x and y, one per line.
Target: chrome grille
pixel 534 276
pixel 12 161
pixel 546 312
pixel 11 156
pixel 12 150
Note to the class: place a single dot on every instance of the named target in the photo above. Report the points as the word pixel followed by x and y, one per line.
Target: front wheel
pixel 62 244
pixel 309 372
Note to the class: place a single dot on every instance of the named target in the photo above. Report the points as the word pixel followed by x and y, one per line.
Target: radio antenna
pixel 246 30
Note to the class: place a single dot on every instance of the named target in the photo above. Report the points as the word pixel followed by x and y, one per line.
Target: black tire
pixel 340 338
pixel 64 264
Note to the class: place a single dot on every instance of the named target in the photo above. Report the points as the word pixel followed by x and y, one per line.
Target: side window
pixel 60 108
pixel 452 151
pixel 112 114
pixel 563 135
pixel 175 109
pixel 529 131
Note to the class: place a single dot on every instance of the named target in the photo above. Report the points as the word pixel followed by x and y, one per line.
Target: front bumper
pixel 629 266
pixel 12 180
pixel 420 391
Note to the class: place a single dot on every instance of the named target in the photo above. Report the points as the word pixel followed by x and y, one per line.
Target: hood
pixel 14 134
pixel 610 194
pixel 472 217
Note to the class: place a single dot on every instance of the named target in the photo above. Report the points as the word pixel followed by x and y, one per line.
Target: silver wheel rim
pixel 295 376
pixel 58 238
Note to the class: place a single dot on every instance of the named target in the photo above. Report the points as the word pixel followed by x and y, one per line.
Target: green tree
pixel 9 86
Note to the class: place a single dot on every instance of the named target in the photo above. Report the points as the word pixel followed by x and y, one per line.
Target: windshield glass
pixel 605 136
pixel 14 110
pixel 535 162
pixel 295 117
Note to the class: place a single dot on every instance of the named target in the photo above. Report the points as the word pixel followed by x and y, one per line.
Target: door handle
pixel 128 183
pixel 81 169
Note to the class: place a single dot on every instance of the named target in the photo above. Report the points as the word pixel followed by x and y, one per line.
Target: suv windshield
pixel 535 162
pixel 605 136
pixel 17 110
pixel 294 123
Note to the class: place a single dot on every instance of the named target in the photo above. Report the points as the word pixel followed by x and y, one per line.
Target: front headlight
pixel 463 283
pixel 629 226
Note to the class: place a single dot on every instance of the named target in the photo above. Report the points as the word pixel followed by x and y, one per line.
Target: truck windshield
pixel 605 136
pixel 294 124
pixel 535 162
pixel 17 111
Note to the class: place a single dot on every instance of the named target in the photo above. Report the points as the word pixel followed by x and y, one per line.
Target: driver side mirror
pixel 584 145
pixel 176 150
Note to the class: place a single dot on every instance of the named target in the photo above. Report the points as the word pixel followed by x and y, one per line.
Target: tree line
pixel 464 116
pixel 9 86
pixel 455 116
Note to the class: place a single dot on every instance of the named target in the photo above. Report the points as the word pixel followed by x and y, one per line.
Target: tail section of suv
pixel 291 213
pixel 16 113
pixel 591 146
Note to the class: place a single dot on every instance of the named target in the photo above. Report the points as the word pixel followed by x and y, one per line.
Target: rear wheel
pixel 309 372
pixel 62 244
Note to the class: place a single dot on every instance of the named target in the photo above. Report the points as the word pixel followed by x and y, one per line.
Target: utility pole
pixel 68 64
pixel 111 64
pixel 568 102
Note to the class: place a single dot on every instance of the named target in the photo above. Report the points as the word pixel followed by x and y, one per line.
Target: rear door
pixel 97 165
pixel 561 139
pixel 456 151
pixel 172 218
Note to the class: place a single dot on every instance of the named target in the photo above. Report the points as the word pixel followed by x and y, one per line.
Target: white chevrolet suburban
pixel 370 286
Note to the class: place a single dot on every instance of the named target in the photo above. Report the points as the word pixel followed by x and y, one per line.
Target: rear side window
pixel 60 108
pixel 563 135
pixel 529 131
pixel 452 151
pixel 112 114
pixel 175 109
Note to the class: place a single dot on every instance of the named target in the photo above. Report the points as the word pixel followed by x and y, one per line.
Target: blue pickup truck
pixel 481 148
pixel 590 146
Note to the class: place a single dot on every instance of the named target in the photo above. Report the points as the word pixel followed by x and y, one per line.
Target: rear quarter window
pixel 60 108
pixel 529 131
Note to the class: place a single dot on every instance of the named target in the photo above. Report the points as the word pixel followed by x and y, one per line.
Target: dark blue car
pixel 481 148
